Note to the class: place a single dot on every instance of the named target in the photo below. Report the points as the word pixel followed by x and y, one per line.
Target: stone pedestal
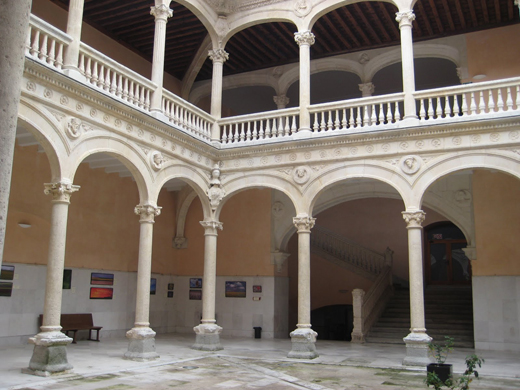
pixel 303 344
pixel 141 345
pixel 50 354
pixel 417 353
pixel 207 337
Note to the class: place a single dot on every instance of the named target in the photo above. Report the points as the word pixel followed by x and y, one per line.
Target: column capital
pixel 414 219
pixel 281 101
pixel 60 191
pixel 304 38
pixel 147 212
pixel 161 12
pixel 304 223
pixel 367 89
pixel 218 55
pixel 211 226
pixel 405 18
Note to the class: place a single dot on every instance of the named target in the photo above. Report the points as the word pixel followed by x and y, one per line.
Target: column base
pixel 358 338
pixel 207 337
pixel 417 351
pixel 303 344
pixel 49 355
pixel 303 133
pixel 141 345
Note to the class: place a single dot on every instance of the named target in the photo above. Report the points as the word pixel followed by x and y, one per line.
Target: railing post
pixel 161 12
pixel 74 24
pixel 358 296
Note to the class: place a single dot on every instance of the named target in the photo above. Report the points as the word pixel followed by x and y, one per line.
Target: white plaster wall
pixel 496 312
pixel 238 316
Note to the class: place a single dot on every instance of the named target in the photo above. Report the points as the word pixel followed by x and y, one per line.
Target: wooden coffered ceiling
pixel 356 27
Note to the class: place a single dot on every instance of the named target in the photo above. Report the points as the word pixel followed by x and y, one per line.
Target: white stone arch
pixel 126 153
pixel 421 50
pixel 195 178
pixel 260 180
pixel 44 128
pixel 504 161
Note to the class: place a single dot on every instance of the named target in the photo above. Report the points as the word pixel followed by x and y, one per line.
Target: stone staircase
pixel 449 312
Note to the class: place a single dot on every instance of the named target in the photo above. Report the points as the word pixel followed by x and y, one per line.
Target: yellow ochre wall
pixel 494 53
pixel 496 199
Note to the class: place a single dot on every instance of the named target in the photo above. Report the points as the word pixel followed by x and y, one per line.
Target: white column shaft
pixel 161 13
pixel 416 279
pixel 405 20
pixel 144 273
pixel 216 97
pixel 304 278
pixel 55 265
pixel 74 24
pixel 305 86
pixel 210 277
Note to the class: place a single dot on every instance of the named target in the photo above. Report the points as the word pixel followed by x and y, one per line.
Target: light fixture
pixel 479 76
pixel 24 225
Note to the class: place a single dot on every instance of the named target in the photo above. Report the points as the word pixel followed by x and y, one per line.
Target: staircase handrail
pixel 367 308
pixel 348 251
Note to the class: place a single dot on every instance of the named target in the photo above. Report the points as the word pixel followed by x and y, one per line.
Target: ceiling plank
pixel 436 16
pixel 354 23
pixel 380 26
pixel 368 25
pixel 497 11
pixel 473 13
pixel 345 27
pixel 323 38
pixel 390 22
pixel 340 36
pixel 483 3
pixel 510 10
pixel 290 44
pixel 448 14
pixel 461 14
pixel 425 16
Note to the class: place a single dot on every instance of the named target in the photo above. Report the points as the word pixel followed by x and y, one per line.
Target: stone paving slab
pixel 225 372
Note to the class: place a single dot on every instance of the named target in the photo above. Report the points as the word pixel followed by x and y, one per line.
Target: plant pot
pixel 444 371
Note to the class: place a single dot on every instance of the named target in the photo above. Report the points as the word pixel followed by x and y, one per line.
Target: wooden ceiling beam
pixel 368 25
pixel 380 25
pixel 483 3
pixel 273 34
pixel 425 16
pixel 244 42
pixel 352 21
pixel 290 45
pixel 473 13
pixel 435 13
pixel 324 39
pixel 497 11
pixel 390 22
pixel 336 32
pixel 139 14
pixel 448 14
pixel 109 11
pixel 345 27
pixel 460 13
pixel 263 46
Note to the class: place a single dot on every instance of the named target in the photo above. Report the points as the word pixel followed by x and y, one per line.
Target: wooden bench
pixel 75 322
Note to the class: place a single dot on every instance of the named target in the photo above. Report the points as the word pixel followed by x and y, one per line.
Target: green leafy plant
pixel 441 352
pixel 462 383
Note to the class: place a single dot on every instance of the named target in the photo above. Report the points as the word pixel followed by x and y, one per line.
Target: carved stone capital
pixel 147 212
pixel 161 12
pixel 367 89
pixel 180 242
pixel 304 223
pixel 414 219
pixel 278 258
pixel 218 55
pixel 60 191
pixel 281 101
pixel 211 227
pixel 405 18
pixel 304 38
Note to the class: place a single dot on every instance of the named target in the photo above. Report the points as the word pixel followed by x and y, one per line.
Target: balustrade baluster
pixel 261 134
pixel 397 112
pixel 294 128
pixel 287 128
pixel 59 57
pixel 280 127
pixel 236 134
pixel 439 110
pixel 43 48
pixel 81 65
pixel 373 118
pixel 449 111
pixel 509 101
pixel 101 76
pixel 242 132
pixel 146 99
pixel 88 70
pixel 316 126
pixel 473 106
pixel 28 42
pixel 224 134
pixel 337 122
pixel 359 119
pixel 456 107
pixel 430 109
pixel 389 113
pixel 422 111
pixel 465 105
pixel 381 114
pixel 248 133
pixel 107 80
pixel 481 103
pixel 255 131
pixel 113 86
pixel 35 47
pixel 344 122
pixel 94 72
pixel 491 101
pixel 329 122
pixel 518 97
pixel 500 100
pixel 52 57
pixel 176 117
pixel 322 122
pixel 120 86
pixel 267 128
pixel 131 92
pixel 366 117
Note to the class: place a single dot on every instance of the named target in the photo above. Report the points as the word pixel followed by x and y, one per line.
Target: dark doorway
pixel 446 262
pixel 333 322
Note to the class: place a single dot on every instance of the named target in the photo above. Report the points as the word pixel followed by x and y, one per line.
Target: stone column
pixel 141 345
pixel 358 335
pixel 161 12
pixel 14 24
pixel 367 89
pixel 208 332
pixel 74 24
pixel 417 341
pixel 218 56
pixel 305 39
pixel 50 353
pixel 281 101
pixel 405 20
pixel 304 338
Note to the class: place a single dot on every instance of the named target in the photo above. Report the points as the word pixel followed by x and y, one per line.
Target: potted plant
pixel 440 374
pixel 440 353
